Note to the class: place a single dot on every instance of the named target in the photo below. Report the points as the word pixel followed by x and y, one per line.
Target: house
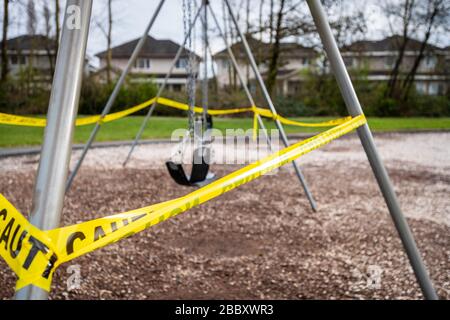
pixel 294 58
pixel 378 59
pixel 32 51
pixel 152 64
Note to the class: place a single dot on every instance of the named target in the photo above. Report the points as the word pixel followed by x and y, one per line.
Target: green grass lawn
pixel 162 127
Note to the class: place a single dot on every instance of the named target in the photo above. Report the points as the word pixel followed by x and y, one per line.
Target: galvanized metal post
pixel 268 99
pixel 48 196
pixel 365 135
pixel 161 89
pixel 240 76
pixel 114 94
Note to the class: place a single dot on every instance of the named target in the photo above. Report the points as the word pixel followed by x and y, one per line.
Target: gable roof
pixel 287 49
pixel 391 43
pixel 152 48
pixel 30 42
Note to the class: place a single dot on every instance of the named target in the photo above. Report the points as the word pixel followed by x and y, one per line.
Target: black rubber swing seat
pixel 200 175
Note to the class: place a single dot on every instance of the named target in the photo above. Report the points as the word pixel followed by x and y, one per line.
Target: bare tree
pixel 271 19
pixel 32 18
pixel 109 35
pixel 399 13
pixel 31 30
pixel 432 14
pixel 247 29
pixel 260 29
pixel 226 23
pixel 107 32
pixel 275 50
pixel 48 30
pixel 4 39
pixel 57 26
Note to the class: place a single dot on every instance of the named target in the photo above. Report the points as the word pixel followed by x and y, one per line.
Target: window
pixel 433 88
pixel 430 62
pixel 181 63
pixel 225 63
pixel 421 87
pixel 142 63
pixel 18 60
pixel 176 87
pixel 348 61
pixel 305 61
pixel 389 62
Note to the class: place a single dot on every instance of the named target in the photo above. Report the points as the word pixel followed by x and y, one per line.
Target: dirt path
pixel 261 240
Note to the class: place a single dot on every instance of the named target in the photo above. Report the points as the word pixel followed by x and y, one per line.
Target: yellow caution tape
pixel 34 254
pixel 268 114
pixel 41 122
pixel 10 119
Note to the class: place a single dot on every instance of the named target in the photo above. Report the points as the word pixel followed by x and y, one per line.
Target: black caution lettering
pixel 3 213
pixel 71 239
pixel 98 233
pixel 37 246
pixel 7 232
pixel 15 252
pixel 136 218
pixel 50 265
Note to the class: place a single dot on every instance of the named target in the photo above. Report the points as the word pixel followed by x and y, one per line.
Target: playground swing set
pixel 34 248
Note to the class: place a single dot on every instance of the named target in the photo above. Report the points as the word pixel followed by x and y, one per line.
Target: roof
pixel 30 42
pixel 287 49
pixel 391 43
pixel 152 48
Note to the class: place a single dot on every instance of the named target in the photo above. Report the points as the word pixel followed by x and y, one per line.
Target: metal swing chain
pixel 190 85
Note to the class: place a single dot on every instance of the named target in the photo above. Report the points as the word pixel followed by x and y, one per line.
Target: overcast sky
pixel 132 16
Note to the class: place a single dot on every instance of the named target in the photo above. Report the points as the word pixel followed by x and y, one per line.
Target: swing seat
pixel 199 177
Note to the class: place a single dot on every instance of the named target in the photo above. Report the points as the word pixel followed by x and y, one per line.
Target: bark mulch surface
pixel 260 241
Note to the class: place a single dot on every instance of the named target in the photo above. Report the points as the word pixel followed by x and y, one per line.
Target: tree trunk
pixel 272 4
pixel 392 83
pixel 261 27
pixel 5 38
pixel 109 53
pixel 275 54
pixel 226 35
pixel 409 80
pixel 247 23
pixel 57 26
pixel 48 42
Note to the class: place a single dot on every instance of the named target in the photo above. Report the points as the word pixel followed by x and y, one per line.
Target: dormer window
pixel 142 63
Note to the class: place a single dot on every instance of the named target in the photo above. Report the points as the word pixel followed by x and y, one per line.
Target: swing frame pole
pixel 367 141
pixel 240 76
pixel 114 94
pixel 161 88
pixel 48 195
pixel 269 101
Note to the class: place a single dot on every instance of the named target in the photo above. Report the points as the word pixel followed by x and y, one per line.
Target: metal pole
pixel 365 135
pixel 161 89
pixel 266 95
pixel 48 195
pixel 240 76
pixel 114 94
